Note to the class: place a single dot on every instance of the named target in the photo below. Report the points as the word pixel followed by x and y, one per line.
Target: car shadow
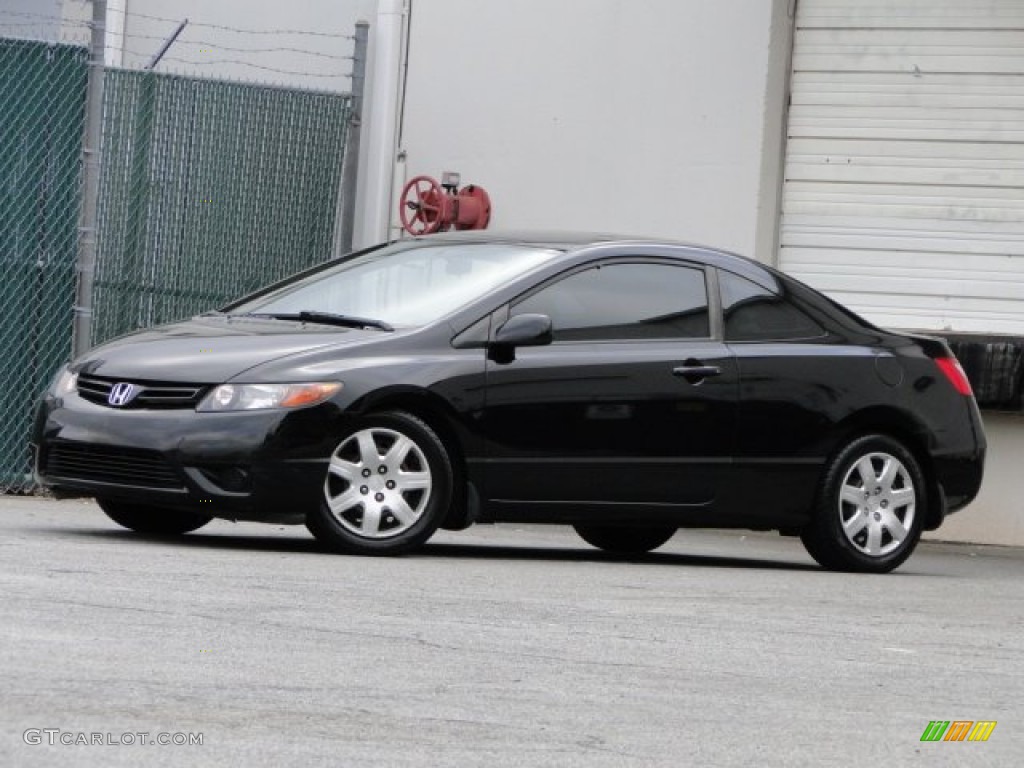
pixel 475 551
pixel 505 552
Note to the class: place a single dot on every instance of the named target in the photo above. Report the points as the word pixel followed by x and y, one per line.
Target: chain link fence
pixel 209 189
pixel 42 112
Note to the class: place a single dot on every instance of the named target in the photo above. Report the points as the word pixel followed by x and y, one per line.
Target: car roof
pixel 574 241
pixel 554 239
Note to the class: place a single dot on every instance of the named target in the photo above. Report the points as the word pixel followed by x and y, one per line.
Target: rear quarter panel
pixel 798 401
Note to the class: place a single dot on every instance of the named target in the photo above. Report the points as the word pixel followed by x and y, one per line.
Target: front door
pixel 632 404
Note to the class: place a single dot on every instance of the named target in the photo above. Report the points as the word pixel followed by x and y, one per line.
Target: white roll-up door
pixel 904 178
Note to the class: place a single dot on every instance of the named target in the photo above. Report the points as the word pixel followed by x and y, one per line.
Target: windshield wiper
pixel 327 318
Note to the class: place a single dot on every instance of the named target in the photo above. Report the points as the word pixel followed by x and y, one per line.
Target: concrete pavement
pixel 498 646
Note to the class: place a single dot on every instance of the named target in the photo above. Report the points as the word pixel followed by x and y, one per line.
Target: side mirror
pixel 519 331
pixel 525 331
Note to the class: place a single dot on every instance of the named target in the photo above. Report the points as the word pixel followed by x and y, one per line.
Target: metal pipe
pixel 81 338
pixel 116 23
pixel 373 223
pixel 350 168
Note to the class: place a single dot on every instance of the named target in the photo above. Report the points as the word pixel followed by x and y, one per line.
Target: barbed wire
pixel 239 62
pixel 34 24
pixel 81 24
pixel 233 49
pixel 242 30
pixel 43 16
pixel 74 33
pixel 275 70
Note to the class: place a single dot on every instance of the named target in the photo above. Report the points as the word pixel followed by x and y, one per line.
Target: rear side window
pixel 624 301
pixel 753 313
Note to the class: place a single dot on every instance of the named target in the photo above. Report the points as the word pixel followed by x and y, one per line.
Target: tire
pixel 146 518
pixel 387 488
pixel 870 507
pixel 625 541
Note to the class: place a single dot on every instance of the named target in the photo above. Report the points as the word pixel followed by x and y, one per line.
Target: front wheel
pixel 634 540
pixel 146 518
pixel 870 508
pixel 387 488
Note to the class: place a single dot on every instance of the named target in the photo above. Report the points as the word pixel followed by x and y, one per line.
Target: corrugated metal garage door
pixel 904 191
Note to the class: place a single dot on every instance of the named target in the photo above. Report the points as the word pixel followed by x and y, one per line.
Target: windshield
pixel 403 286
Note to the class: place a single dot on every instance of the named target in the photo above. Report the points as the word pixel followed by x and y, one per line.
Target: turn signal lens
pixel 955 373
pixel 308 394
pixel 254 397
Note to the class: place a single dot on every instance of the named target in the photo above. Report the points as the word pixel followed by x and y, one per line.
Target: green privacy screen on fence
pixel 209 189
pixel 42 112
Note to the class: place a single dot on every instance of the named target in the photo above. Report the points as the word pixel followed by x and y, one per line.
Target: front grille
pixel 150 394
pixel 106 464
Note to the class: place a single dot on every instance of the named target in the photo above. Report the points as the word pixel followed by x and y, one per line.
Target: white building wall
pixel 997 515
pixel 605 115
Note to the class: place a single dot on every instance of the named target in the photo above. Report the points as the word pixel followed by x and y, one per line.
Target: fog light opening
pixel 230 479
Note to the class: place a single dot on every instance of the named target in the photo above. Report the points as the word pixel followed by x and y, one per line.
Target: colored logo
pixel 958 730
pixel 121 393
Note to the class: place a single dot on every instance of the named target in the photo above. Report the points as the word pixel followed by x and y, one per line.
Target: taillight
pixel 955 373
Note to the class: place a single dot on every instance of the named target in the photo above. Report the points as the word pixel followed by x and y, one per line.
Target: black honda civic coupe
pixel 628 388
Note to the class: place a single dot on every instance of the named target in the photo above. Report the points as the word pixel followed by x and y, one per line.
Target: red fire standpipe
pixel 429 206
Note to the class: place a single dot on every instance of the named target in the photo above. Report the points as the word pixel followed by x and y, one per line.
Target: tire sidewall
pixel 326 527
pixel 147 518
pixel 622 540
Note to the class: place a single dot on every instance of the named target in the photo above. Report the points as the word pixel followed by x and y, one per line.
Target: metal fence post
pixel 350 165
pixel 91 147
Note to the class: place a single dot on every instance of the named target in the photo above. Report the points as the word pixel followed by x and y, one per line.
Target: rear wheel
pixel 388 486
pixel 633 540
pixel 870 508
pixel 146 518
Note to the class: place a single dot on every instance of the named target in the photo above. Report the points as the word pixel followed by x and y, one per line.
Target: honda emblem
pixel 121 394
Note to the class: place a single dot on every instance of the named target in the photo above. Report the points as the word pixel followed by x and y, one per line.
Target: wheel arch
pixel 440 416
pixel 910 432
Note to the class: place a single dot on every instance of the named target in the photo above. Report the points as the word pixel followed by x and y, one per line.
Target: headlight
pixel 64 382
pixel 252 397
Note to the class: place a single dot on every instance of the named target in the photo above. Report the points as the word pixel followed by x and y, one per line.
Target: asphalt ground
pixel 497 646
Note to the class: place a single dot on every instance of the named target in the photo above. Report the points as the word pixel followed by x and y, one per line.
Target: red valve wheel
pixel 423 206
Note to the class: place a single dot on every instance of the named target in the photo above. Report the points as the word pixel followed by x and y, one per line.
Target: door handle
pixel 695 373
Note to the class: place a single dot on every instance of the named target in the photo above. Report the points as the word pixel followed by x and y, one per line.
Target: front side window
pixel 753 313
pixel 624 301
pixel 402 285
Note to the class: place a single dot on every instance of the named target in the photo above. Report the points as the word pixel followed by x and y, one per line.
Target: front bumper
pixel 249 465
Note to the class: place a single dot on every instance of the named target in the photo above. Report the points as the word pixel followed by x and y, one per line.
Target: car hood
pixel 210 350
